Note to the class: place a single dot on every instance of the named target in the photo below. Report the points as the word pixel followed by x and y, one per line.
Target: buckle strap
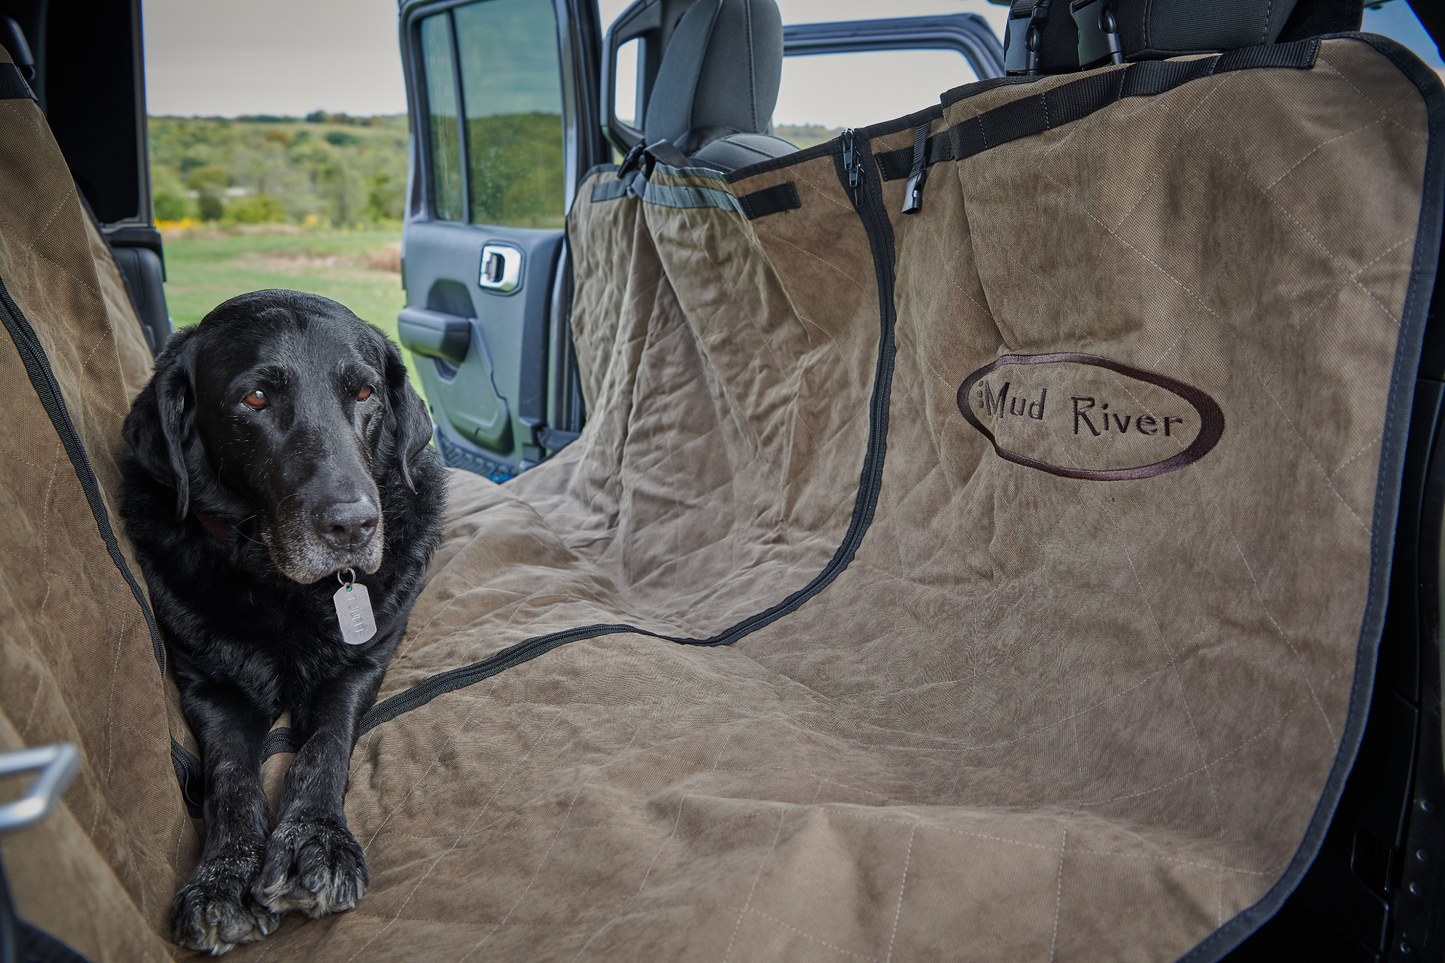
pixel 645 157
pixel 918 173
pixel 1024 36
pixel 1098 33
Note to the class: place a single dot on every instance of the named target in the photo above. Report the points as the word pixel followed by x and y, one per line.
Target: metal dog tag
pixel 353 612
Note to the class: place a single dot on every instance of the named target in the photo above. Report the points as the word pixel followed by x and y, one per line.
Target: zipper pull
pixel 851 164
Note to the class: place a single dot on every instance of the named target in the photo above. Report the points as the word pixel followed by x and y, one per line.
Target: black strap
pixel 13 85
pixel 770 200
pixel 1074 101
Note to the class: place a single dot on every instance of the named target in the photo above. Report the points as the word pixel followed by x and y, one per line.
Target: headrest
pixel 721 69
pixel 1088 33
pixel 12 38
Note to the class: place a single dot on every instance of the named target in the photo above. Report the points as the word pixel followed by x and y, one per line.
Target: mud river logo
pixel 1083 416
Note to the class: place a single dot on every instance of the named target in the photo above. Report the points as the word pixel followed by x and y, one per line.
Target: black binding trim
pixel 1073 101
pixel 771 200
pixel 13 85
pixel 880 240
pixel 1388 486
pixel 778 163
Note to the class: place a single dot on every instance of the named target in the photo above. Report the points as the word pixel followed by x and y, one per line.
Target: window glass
pixel 625 96
pixel 512 96
pixel 441 94
pixel 822 93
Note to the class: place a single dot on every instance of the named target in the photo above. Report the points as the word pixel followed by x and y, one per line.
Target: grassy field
pixel 806 135
pixel 361 269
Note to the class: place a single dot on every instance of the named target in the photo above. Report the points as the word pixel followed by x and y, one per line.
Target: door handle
pixel 434 334
pixel 501 268
pixel 56 763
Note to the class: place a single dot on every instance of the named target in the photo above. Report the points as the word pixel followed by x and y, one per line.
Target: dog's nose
pixel 344 525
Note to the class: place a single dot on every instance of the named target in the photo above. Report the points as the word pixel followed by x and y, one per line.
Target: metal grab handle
pixel 57 764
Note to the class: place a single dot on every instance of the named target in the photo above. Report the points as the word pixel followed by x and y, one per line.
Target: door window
pixel 512 92
pixel 822 93
pixel 512 165
pixel 442 127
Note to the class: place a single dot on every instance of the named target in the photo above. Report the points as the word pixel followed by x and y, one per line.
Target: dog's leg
pixel 214 911
pixel 313 864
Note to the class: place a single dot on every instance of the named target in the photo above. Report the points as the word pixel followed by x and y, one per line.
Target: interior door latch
pixel 501 268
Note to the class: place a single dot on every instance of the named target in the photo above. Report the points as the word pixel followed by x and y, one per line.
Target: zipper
pixel 851 163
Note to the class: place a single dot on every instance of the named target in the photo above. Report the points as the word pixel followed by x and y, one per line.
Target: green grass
pixel 204 270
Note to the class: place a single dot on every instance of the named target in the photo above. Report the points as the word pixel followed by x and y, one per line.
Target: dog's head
pixel 285 408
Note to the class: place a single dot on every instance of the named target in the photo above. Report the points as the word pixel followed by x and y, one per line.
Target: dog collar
pixel 220 531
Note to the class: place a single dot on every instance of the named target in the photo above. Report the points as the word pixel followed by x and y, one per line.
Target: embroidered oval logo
pixel 1083 416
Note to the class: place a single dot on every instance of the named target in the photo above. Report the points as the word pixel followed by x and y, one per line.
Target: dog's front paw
pixel 214 911
pixel 314 866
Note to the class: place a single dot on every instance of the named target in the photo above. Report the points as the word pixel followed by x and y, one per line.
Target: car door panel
pixel 501 99
pixel 480 356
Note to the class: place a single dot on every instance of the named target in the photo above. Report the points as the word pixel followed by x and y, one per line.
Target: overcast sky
pixel 210 57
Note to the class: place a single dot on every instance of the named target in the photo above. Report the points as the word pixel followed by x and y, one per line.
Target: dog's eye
pixel 256 400
pixel 364 393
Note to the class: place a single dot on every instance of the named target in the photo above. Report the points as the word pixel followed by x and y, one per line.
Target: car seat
pixel 718 83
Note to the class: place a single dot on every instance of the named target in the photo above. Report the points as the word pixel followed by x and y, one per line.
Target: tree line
pixel 331 169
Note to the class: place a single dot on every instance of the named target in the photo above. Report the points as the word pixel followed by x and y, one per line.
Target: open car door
pixel 502 97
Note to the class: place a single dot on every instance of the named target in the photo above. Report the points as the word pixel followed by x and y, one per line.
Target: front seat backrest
pixel 718 83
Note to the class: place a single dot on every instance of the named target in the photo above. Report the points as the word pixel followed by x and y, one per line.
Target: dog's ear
pixel 162 419
pixel 407 417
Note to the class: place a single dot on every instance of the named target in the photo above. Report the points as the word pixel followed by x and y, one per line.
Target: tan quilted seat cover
pixel 1020 715
pixel 77 660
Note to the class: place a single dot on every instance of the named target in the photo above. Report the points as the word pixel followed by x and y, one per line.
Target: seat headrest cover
pixel 1155 29
pixel 721 69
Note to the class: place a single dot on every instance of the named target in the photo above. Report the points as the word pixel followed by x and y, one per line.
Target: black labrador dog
pixel 278 480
